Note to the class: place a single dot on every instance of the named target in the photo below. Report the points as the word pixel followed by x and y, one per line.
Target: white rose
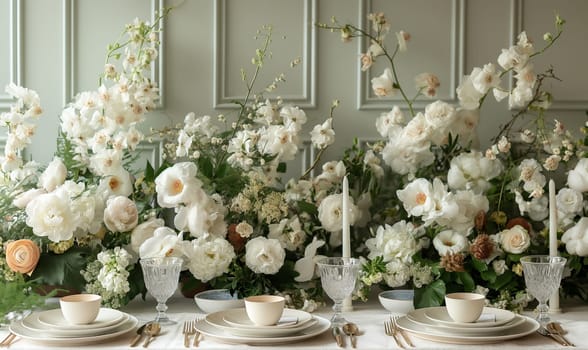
pixel 208 259
pixel 397 242
pixel 578 177
pixel 23 199
pixel 330 212
pixel 264 255
pixel 576 238
pixel 515 240
pixel 50 215
pixel 53 176
pixel 390 123
pixel 397 274
pixel 144 231
pixel 499 266
pixel 165 242
pixel 449 242
pixel 121 214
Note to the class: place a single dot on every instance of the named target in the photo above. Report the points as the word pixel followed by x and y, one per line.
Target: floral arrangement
pixel 459 218
pixel 79 212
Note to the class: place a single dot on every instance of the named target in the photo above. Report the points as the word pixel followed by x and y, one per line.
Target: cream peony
pixel 330 212
pixel 576 238
pixel 178 185
pixel 396 242
pixel 578 177
pixel 144 231
pixel 53 176
pixel 208 259
pixel 264 255
pixel 397 274
pixel 23 199
pixel 121 214
pixel 164 242
pixel 449 242
pixel 515 240
pixel 50 215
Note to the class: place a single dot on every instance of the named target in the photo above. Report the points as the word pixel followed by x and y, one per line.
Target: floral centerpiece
pixel 70 224
pixel 453 217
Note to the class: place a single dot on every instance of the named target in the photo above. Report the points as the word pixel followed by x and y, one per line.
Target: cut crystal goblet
pixel 161 277
pixel 338 276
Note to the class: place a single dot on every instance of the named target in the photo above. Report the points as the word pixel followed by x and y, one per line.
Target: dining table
pixel 370 317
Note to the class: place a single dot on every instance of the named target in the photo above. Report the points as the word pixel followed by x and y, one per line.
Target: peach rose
pixel 22 255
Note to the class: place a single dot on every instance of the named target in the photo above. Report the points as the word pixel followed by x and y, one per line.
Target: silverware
pixel 556 328
pixel 391 331
pixel 544 332
pixel 394 320
pixel 351 330
pixel 188 330
pixel 140 333
pixel 151 331
pixel 198 335
pixel 336 332
pixel 8 340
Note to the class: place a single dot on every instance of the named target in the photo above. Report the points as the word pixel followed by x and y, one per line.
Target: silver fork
pixel 188 331
pixel 391 331
pixel 8 340
pixel 394 320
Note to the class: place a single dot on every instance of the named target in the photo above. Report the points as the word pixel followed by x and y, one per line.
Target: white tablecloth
pixel 369 316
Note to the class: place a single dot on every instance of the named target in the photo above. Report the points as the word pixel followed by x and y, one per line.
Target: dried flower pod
pixel 22 256
pixel 480 220
pixel 453 262
pixel 519 221
pixel 482 247
pixel 236 240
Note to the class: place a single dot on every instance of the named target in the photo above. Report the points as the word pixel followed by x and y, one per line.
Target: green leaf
pixel 63 269
pixel 502 280
pixel 466 280
pixel 430 295
pixel 308 207
pixel 205 167
pixel 479 265
pixel 489 276
pixel 281 167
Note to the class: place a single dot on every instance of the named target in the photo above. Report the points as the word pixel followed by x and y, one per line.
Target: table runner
pixel 369 316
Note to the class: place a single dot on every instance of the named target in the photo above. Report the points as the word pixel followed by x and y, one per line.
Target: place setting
pixel 79 320
pixel 263 321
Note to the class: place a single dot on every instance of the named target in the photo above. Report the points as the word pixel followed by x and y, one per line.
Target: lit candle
pixel 345 220
pixel 554 300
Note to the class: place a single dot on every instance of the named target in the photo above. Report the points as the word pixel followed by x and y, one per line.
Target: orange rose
pixel 22 256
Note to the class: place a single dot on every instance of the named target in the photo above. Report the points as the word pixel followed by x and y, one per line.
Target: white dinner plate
pixel 439 314
pixel 47 339
pixel 54 318
pixel 32 322
pixel 213 332
pixel 220 323
pixel 523 329
pixel 238 318
pixel 418 316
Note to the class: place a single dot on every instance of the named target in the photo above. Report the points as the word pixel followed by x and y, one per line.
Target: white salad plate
pixel 49 339
pixel 213 332
pixel 54 318
pixel 32 322
pixel 424 332
pixel 291 318
pixel 218 319
pixel 439 314
pixel 419 316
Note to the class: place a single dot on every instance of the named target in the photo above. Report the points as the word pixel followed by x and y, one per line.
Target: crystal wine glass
pixel 542 277
pixel 338 276
pixel 161 279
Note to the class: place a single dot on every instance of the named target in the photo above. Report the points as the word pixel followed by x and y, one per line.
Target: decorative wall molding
pixel 69 51
pixel 307 98
pixel 308 156
pixel 457 48
pixel 151 151
pixel 15 50
pixel 517 25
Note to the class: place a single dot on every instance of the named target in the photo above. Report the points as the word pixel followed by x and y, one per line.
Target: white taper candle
pixel 554 300
pixel 346 239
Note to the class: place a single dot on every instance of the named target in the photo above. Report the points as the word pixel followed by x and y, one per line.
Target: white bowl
pixel 397 301
pixel 215 300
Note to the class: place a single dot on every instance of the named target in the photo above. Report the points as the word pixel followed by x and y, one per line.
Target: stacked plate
pixel 495 325
pixel 233 326
pixel 49 327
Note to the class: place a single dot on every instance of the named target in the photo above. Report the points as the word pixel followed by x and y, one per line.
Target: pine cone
pixel 453 262
pixel 482 247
